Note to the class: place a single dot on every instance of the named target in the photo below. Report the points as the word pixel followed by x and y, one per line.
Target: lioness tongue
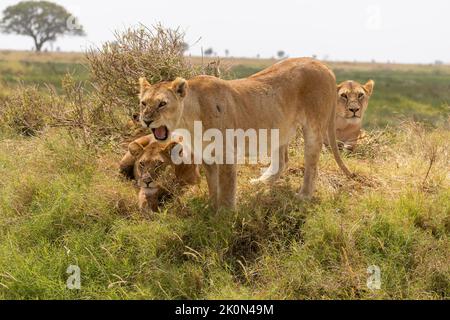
pixel 161 132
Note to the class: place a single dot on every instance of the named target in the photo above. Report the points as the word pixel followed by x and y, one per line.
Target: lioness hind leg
pixel 276 168
pixel 313 147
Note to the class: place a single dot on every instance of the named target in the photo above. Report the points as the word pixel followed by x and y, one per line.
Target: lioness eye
pixel 344 96
pixel 141 164
pixel 360 96
pixel 162 104
pixel 144 104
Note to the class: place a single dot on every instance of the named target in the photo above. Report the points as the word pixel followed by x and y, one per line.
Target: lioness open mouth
pixel 161 133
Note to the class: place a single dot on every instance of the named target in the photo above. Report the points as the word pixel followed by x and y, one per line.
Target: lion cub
pixel 353 99
pixel 146 161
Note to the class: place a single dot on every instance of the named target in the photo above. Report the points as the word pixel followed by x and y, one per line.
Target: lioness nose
pixel 148 122
pixel 354 109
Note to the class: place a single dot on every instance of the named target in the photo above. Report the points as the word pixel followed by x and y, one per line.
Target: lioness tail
pixel 333 144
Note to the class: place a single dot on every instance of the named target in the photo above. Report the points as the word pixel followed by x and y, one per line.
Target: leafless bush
pixel 86 117
pixel 25 110
pixel 156 53
pixel 104 114
pixel 373 144
pixel 30 110
pixel 430 145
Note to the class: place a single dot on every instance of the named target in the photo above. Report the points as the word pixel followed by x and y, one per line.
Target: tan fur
pixel 353 99
pixel 290 94
pixel 144 161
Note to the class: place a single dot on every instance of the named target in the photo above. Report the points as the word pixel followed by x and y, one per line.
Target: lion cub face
pixel 146 161
pixel 148 166
pixel 353 99
pixel 149 163
pixel 161 106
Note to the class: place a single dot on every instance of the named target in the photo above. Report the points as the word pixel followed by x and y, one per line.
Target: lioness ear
pixel 179 86
pixel 339 86
pixel 144 84
pixel 369 87
pixel 135 149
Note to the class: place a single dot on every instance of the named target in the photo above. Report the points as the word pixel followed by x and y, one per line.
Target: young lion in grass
pixel 145 162
pixel 290 94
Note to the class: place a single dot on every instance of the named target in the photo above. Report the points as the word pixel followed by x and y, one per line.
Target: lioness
pixel 292 93
pixel 353 99
pixel 145 161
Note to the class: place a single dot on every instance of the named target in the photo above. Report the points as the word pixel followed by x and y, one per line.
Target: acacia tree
pixel 41 20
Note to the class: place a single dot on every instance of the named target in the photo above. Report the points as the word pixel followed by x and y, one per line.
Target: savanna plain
pixel 65 123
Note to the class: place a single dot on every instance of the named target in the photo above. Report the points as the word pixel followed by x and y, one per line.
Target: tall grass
pixel 63 204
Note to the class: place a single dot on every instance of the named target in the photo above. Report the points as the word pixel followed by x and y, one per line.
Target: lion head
pixel 146 162
pixel 353 99
pixel 161 106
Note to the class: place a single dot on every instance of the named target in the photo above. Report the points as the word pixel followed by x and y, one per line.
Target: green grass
pixel 408 94
pixel 13 73
pixel 418 92
pixel 421 93
pixel 63 205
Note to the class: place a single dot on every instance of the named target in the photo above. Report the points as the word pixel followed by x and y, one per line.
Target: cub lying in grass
pixel 146 161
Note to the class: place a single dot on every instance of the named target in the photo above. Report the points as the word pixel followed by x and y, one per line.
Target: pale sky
pixel 400 31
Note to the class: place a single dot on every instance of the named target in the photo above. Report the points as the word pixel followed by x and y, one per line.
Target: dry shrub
pixel 30 110
pixel 430 144
pixel 156 53
pixel 104 114
pixel 86 117
pixel 373 144
pixel 25 110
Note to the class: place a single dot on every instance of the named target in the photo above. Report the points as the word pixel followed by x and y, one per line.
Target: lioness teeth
pixel 161 133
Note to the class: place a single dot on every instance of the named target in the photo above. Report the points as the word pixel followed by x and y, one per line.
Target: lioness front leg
pixel 277 165
pixel 227 186
pixel 313 147
pixel 212 178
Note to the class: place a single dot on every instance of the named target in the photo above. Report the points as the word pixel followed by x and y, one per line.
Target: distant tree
pixel 439 62
pixel 281 54
pixel 43 21
pixel 209 52
pixel 227 52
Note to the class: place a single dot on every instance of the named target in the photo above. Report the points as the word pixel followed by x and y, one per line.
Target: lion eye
pixel 143 103
pixel 360 96
pixel 142 164
pixel 162 104
pixel 344 96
